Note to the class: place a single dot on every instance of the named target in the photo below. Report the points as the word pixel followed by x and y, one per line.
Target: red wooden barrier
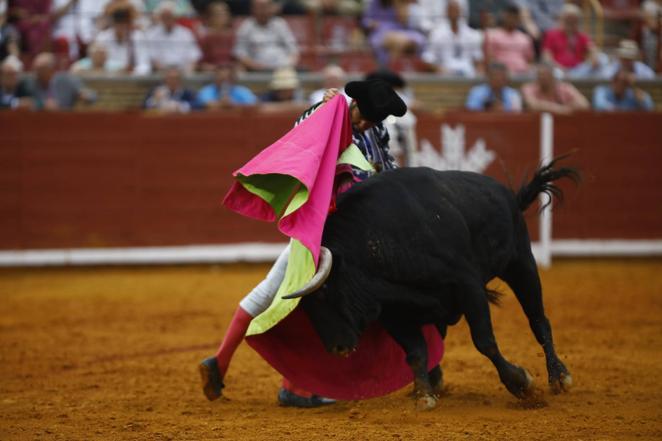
pixel 71 180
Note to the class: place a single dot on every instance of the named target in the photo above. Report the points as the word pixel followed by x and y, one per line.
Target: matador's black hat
pixel 376 99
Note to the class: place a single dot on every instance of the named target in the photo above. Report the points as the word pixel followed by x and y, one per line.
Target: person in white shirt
pixel 427 15
pixel 78 24
pixel 651 10
pixel 628 59
pixel 453 47
pixel 126 47
pixel 172 44
pixel 264 41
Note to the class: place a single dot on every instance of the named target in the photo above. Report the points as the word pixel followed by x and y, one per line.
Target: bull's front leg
pixel 477 312
pixel 412 341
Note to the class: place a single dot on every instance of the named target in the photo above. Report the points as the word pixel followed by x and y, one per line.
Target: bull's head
pixel 325 300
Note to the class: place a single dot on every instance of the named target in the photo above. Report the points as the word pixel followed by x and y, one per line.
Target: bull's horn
pixel 326 260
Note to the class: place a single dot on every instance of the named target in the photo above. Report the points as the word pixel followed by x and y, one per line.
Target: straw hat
pixel 628 49
pixel 284 78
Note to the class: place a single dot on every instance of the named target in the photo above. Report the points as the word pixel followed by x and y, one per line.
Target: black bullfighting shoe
pixel 212 383
pixel 288 398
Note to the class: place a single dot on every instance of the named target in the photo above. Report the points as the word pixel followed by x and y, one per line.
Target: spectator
pixel 284 88
pixel 171 44
pixel 127 47
pixel 494 95
pixel 182 8
pixel 621 95
pixel 334 77
pixel 14 93
pixel 547 94
pixel 78 26
pixel 264 41
pixel 217 36
pixel 483 13
pixel 334 7
pixel 237 7
pixel 224 93
pixel 170 96
pixel 454 48
pixel 56 91
pixel 544 15
pixel 96 63
pixel 33 20
pixel 390 34
pixel 140 19
pixel 627 55
pixel 650 33
pixel 200 6
pixel 508 45
pixel 10 38
pixel 427 15
pixel 569 48
pixel 290 7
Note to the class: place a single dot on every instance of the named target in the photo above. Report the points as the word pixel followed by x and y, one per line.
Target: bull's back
pixel 472 196
pixel 430 215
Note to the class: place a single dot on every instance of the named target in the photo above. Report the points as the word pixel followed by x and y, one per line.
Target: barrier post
pixel 545 221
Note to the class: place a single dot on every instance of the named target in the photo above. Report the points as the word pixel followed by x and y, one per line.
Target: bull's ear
pixel 323 271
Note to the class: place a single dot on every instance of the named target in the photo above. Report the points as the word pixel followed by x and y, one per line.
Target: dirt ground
pixel 110 354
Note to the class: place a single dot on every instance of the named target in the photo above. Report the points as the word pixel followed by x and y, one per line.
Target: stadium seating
pixel 433 93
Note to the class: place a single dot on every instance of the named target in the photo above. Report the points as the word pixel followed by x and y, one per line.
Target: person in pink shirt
pixel 547 94
pixel 566 46
pixel 508 45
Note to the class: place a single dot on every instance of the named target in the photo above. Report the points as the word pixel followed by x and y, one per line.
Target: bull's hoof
pixel 561 384
pixel 426 402
pixel 519 382
pixel 529 388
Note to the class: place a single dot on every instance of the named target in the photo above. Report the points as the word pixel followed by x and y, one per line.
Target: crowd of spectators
pixel 62 41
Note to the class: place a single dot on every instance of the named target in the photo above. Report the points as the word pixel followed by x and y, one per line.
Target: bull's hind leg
pixel 477 312
pixel 412 341
pixel 522 277
pixel 436 379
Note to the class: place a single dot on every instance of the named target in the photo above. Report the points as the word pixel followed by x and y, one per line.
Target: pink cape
pixel 377 368
pixel 308 154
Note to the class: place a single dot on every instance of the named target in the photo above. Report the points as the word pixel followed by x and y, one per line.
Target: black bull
pixel 417 246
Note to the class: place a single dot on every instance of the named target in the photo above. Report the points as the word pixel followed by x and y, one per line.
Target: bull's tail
pixel 543 182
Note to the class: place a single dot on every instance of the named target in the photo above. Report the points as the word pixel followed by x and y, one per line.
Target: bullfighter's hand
pixel 330 93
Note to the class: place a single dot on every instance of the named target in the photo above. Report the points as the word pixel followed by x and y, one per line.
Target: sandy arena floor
pixel 110 354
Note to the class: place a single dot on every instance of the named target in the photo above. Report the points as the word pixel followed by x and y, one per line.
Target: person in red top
pixel 567 47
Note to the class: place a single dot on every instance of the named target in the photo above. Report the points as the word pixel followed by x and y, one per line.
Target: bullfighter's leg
pixel 212 369
pixel 477 312
pixel 522 277
pixel 412 341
